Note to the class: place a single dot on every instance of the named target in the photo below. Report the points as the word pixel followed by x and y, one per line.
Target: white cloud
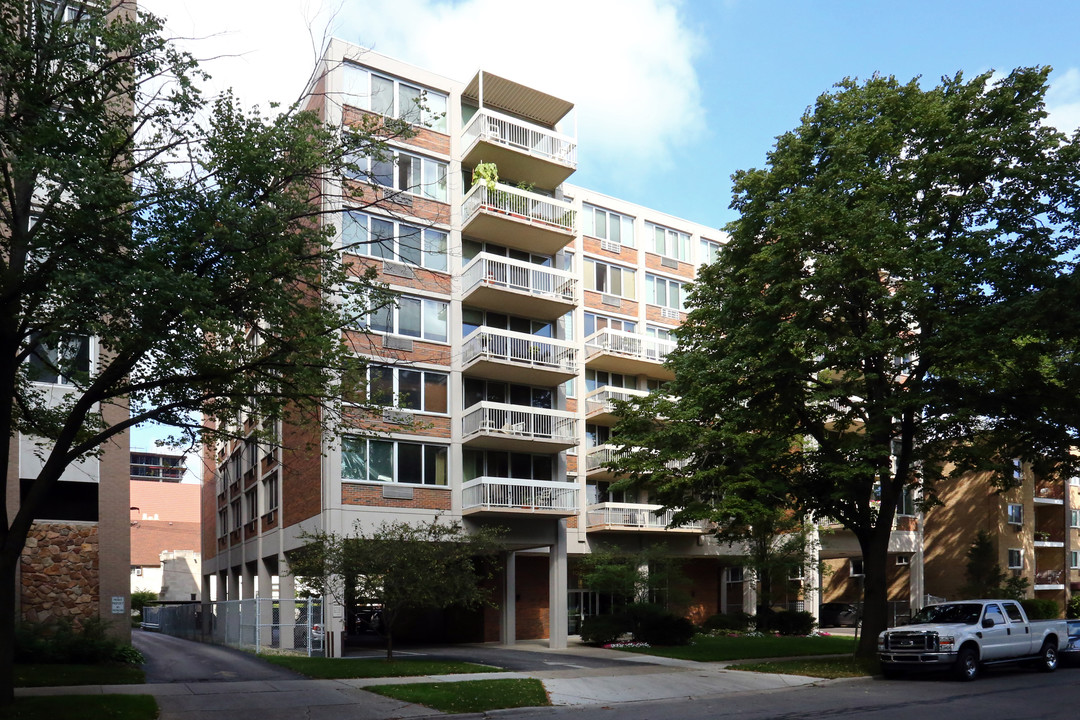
pixel 1063 100
pixel 628 65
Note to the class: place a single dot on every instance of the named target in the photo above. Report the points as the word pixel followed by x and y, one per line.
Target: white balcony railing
pixel 599 400
pixel 520 349
pixel 520 205
pixel 632 345
pixel 634 515
pixel 524 495
pixel 520 276
pixel 519 421
pixel 600 455
pixel 494 127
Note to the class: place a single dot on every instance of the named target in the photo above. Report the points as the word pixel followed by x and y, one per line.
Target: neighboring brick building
pixel 165 539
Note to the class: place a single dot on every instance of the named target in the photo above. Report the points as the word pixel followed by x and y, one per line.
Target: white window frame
pixel 1074 518
pixel 709 251
pixel 427 306
pixel 435 188
pixel 251 500
pixel 651 284
pixel 270 493
pixel 431 112
pixel 627 279
pixel 1074 559
pixel 395 399
pixel 356 442
pixel 1015 514
pixel 1019 554
pixel 672 239
pixel 432 245
pixel 612 219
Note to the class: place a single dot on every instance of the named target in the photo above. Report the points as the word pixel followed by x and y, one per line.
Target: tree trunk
pixel 7 630
pixel 389 643
pixel 875 592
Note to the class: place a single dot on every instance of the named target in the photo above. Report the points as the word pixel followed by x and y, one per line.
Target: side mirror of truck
pixel 988 622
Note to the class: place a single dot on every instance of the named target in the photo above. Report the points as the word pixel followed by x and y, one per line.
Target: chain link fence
pixel 259 624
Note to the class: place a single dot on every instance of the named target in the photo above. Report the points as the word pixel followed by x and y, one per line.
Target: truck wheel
pixel 1048 657
pixel 967 664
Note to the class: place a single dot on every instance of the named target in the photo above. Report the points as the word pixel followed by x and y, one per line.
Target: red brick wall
pixel 425 139
pixel 372 496
pixel 594 302
pixel 703 588
pixel 625 254
pixel 685 269
pixel 654 314
pixel 532 597
pixel 301 482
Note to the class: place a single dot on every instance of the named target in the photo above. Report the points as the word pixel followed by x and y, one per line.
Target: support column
pixel 287 603
pixel 508 612
pixel 558 618
pixel 233 592
pixel 249 573
pixel 749 592
pixel 263 596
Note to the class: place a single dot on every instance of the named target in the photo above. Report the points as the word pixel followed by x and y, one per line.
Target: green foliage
pixel 785 622
pixel 486 173
pixel 66 674
pixel 653 624
pixel 603 629
pixel 1041 608
pixel 317 667
pixel 896 302
pixel 400 566
pixel 983 572
pixel 638 577
pixel 139 600
pixel 84 707
pixel 470 696
pixel 735 621
pixel 63 642
pixel 1072 610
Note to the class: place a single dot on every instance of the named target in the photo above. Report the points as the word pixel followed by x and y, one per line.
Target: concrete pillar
pixel 508 614
pixel 287 602
pixel 249 573
pixel 557 589
pixel 263 594
pixel 749 593
pixel 233 591
pixel 723 590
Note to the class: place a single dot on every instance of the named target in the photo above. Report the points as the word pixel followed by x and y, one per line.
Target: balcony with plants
pixel 515 217
pixel 521 148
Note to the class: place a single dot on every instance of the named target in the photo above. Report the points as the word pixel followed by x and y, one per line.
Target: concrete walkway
pixel 622 678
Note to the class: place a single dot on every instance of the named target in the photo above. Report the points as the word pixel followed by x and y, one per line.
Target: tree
pixel 895 305
pixel 178 235
pixel 646 576
pixel 985 578
pixel 400 567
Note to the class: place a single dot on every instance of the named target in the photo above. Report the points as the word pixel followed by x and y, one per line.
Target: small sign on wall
pixel 118 605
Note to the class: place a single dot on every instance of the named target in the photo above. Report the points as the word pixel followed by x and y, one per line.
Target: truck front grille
pixel 912 641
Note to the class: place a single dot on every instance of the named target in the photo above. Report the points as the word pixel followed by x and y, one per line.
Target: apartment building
pixel 157 465
pixel 525 307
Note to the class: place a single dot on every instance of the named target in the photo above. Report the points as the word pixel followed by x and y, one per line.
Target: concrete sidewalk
pixel 629 678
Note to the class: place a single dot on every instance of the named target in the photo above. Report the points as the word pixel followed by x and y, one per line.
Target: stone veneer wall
pixel 60 572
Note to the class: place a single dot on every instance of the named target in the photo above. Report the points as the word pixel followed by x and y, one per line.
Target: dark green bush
pixel 736 621
pixel 1072 610
pixel 785 622
pixel 657 626
pixel 602 629
pixel 62 642
pixel 1041 608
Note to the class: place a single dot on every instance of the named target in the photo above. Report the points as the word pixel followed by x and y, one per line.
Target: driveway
pixel 172 660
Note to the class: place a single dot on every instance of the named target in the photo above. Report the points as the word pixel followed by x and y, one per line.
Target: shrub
pixel 602 629
pixel 785 622
pixel 737 621
pixel 1041 608
pixel 62 642
pixel 1072 610
pixel 656 626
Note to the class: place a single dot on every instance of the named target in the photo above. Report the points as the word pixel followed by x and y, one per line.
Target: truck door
pixel 996 639
pixel 1020 627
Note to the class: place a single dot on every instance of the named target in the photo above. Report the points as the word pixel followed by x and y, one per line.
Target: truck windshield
pixel 966 613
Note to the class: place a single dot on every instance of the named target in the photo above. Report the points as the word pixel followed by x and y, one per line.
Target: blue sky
pixel 672 97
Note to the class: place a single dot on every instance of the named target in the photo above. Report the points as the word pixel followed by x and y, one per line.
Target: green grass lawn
pixel 339 668
pixel 84 707
pixel 840 667
pixel 50 675
pixel 470 695
pixel 713 649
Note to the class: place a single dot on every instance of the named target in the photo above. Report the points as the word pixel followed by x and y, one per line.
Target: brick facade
pixel 371 495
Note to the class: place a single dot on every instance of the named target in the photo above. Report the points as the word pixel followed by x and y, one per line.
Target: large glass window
pixel 669 243
pixel 423 390
pixel 58 361
pixel 388 96
pixel 610 279
pixel 405 173
pixel 475 390
pixel 708 251
pixel 499 464
pixel 371 460
pixel 595 323
pixel 601 378
pixel 378 237
pixel 606 225
pixel 413 317
pixel 665 293
pixel 1016 558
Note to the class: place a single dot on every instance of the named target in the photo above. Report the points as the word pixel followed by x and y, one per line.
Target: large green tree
pixel 896 304
pixel 164 227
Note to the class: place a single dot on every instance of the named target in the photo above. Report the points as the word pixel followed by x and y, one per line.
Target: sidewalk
pixel 627 678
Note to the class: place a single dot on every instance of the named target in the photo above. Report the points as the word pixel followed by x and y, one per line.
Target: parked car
pixel 1071 652
pixel 838 614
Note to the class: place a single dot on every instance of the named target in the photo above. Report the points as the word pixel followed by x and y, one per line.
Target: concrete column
pixel 287 601
pixel 249 573
pixel 723 590
pixel 557 589
pixel 233 592
pixel 508 613
pixel 749 593
pixel 266 603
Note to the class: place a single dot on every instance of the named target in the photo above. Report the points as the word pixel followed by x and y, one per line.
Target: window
pixel 423 390
pixel 388 96
pixel 412 317
pixel 601 378
pixel 57 361
pixel 610 279
pixel 993 612
pixel 1074 518
pixel 383 238
pixel 1016 514
pixel 669 243
pixel 659 333
pixel 223 522
pixel 663 292
pixel 903 560
pixel 391 461
pixel 594 323
pixel 708 251
pixel 1016 558
pixel 234 510
pixel 1017 470
pixel 906 506
pixel 518 465
pixel 251 500
pixel 1013 611
pixel 473 319
pixel 270 493
pixel 1074 559
pixel 405 173
pixel 855 567
pixel 735 575
pixel 476 390
pixel 607 225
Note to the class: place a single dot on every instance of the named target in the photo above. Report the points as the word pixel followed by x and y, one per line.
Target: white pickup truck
pixel 964 636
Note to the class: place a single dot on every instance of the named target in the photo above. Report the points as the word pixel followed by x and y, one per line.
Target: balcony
pixel 628 353
pixel 521 150
pixel 517 219
pixel 1050 580
pixel 599 407
pixel 635 516
pixel 512 356
pixel 518 428
pixel 518 287
pixel 1049 492
pixel 596 459
pixel 490 495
